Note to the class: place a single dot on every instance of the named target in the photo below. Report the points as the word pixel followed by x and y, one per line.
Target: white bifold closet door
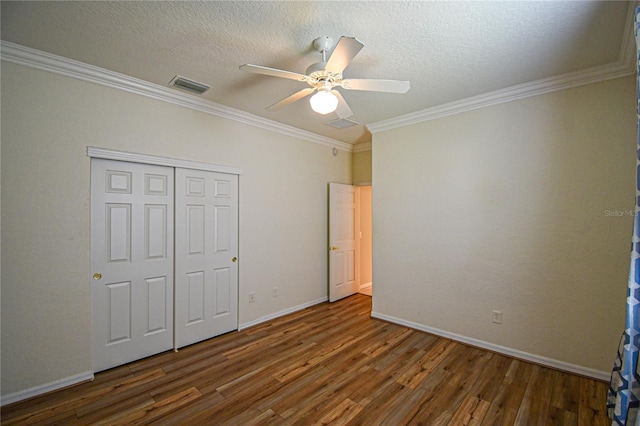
pixel 206 276
pixel 131 260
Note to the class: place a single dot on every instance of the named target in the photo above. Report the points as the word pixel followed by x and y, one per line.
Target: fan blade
pixel 273 72
pixel 344 52
pixel 291 99
pixel 391 86
pixel 343 110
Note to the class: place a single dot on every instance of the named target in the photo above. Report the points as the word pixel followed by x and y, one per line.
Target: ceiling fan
pixel 326 75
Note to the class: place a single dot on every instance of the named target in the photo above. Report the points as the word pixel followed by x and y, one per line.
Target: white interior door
pixel 343 261
pixel 131 260
pixel 206 255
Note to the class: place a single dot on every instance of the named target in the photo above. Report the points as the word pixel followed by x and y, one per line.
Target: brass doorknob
pixel 234 259
pixel 333 248
pixel 97 276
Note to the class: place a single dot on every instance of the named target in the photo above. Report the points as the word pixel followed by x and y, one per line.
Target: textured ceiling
pixel 447 50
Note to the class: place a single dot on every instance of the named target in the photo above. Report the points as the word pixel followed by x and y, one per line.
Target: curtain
pixel 623 398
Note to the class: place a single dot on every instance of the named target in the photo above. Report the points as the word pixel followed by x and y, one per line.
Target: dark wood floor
pixel 328 364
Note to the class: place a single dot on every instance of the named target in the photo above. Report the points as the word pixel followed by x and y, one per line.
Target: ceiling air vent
pixel 190 85
pixel 341 123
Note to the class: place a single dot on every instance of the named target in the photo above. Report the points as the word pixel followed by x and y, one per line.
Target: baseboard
pixel 48 387
pixel 281 313
pixel 365 285
pixel 537 359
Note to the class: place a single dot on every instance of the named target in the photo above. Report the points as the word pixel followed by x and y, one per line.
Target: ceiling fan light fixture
pixel 323 102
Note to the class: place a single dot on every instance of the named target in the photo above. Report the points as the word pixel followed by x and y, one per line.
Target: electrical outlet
pixel 252 297
pixel 496 317
pixel 275 292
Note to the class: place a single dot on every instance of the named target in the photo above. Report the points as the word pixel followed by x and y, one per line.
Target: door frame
pixel 361 207
pixel 132 157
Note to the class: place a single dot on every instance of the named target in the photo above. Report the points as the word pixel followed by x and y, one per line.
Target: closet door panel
pixel 131 261
pixel 206 247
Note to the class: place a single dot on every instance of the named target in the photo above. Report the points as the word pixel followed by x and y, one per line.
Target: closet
pixel 164 248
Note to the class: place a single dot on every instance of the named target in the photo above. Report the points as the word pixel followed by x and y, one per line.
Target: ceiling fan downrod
pixel 323 45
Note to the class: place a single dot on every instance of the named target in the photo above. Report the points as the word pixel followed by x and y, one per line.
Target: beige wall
pixel 47 123
pixel 512 208
pixel 362 168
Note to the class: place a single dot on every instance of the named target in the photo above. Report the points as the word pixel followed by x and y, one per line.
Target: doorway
pixel 350 241
pixel 366 237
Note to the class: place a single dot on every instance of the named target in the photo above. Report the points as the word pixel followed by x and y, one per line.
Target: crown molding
pixel 22 55
pixel 362 147
pixel 628 49
pixel 623 67
pixel 513 93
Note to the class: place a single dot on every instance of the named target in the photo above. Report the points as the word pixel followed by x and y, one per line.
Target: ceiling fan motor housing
pixel 323 44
